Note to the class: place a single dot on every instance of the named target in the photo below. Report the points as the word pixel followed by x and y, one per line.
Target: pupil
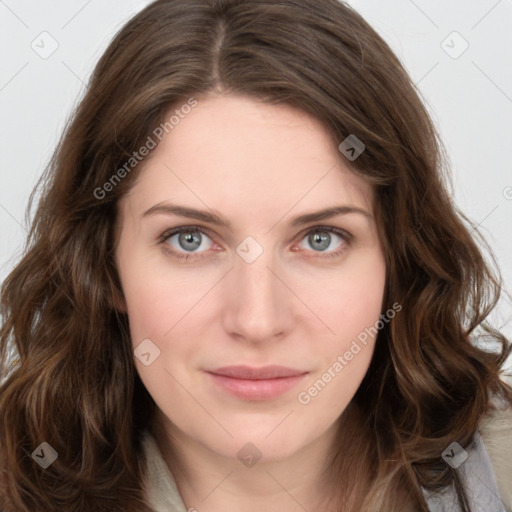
pixel 189 238
pixel 322 238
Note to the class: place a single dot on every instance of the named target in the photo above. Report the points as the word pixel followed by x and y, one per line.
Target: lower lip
pixel 264 389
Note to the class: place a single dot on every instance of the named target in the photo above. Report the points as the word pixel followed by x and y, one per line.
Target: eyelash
pixel 347 238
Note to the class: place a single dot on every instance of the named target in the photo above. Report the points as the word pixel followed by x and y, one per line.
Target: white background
pixel 469 97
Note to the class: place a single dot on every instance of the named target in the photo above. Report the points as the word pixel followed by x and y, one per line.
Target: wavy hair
pixel 66 359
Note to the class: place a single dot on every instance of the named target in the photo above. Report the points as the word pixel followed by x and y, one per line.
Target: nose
pixel 258 305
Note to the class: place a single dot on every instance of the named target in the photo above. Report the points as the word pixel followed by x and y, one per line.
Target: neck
pixel 210 482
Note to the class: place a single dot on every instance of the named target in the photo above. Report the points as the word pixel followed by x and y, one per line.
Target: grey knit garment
pixel 476 474
pixel 477 477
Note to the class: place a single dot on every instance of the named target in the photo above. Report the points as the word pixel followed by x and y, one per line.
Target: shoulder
pixel 496 431
pixel 486 470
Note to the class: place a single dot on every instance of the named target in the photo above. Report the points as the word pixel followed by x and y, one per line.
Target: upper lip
pixel 251 373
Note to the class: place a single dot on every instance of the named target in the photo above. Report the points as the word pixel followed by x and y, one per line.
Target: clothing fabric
pixel 161 491
pixel 486 473
pixel 479 480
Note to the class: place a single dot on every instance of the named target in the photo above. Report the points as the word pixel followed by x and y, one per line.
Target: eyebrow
pixel 212 218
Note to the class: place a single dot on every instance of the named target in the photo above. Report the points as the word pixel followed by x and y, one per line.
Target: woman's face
pixel 257 286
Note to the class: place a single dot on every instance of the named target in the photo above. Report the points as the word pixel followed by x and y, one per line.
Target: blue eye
pixel 191 238
pixel 321 238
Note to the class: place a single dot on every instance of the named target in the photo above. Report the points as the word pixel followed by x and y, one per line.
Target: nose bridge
pixel 258 301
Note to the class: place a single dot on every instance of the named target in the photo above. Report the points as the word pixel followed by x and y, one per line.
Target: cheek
pixel 158 313
pixel 163 305
pixel 148 311
pixel 158 296
pixel 351 306
pixel 350 299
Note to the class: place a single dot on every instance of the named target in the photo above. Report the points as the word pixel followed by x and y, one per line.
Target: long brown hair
pixel 71 381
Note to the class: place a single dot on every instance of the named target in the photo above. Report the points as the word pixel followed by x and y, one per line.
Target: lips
pixel 248 383
pixel 265 372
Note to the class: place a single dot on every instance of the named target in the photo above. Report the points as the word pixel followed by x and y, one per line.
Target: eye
pixel 321 238
pixel 188 239
pixel 185 242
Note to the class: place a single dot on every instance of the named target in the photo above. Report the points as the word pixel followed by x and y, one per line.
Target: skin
pixel 257 166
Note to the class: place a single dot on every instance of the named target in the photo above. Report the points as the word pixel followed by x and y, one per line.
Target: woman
pixel 246 286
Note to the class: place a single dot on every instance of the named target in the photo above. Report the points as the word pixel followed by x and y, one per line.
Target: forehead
pixel 234 151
